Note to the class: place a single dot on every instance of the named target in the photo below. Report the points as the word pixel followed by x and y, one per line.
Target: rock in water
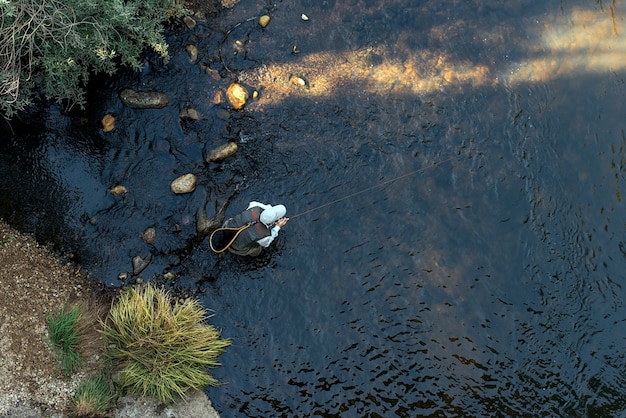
pixel 149 235
pixel 184 184
pixel 143 99
pixel 192 51
pixel 108 123
pixel 237 95
pixel 139 264
pixel 264 21
pixel 222 152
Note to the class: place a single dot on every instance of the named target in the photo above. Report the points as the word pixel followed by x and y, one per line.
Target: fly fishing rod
pixel 384 183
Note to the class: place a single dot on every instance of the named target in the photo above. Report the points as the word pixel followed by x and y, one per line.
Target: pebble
pixel 184 184
pixel 304 17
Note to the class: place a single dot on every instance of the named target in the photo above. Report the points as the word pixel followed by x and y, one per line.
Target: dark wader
pixel 246 243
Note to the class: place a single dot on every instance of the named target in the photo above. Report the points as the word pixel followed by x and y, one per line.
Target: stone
pixel 184 184
pixel 190 114
pixel 149 235
pixel 119 189
pixel 192 51
pixel 264 21
pixel 143 99
pixel 140 264
pixel 108 123
pixel 237 95
pixel 190 22
pixel 222 152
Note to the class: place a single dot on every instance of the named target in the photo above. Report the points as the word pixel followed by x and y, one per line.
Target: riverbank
pixel 35 282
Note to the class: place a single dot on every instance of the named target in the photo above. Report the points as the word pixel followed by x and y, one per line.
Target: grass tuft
pixel 94 397
pixel 164 346
pixel 63 334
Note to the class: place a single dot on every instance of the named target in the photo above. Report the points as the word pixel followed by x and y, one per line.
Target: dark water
pixel 486 282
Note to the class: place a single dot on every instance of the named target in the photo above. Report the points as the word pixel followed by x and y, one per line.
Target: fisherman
pixel 265 222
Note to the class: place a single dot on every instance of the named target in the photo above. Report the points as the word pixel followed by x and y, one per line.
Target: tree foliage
pixel 53 46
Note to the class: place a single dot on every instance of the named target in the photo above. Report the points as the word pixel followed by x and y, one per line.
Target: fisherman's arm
pixel 266 241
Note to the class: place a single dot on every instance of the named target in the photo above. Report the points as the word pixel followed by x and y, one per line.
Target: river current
pixel 456 173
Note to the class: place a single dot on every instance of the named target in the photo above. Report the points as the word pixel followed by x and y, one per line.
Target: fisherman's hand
pixel 281 222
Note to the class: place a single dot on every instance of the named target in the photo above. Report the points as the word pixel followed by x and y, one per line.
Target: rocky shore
pixel 35 282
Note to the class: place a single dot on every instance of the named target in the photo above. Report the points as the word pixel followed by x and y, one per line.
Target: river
pixel 455 171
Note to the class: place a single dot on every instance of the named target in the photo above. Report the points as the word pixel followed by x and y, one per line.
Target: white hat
pixel 272 214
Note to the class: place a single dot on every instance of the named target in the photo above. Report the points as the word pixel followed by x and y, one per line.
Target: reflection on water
pixel 489 283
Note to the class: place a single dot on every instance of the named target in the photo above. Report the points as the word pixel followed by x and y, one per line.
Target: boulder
pixel 143 99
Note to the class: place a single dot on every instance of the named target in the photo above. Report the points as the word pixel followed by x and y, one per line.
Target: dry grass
pixel 164 347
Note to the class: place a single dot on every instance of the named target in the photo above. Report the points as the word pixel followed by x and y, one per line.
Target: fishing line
pixel 384 183
pixel 219 49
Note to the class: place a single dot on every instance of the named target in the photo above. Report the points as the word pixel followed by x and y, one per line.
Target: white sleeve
pixel 266 241
pixel 258 204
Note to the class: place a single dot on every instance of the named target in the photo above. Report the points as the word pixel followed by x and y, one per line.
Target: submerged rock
pixel 222 152
pixel 189 114
pixel 143 99
pixel 237 95
pixel 184 184
pixel 119 189
pixel 140 264
pixel 108 123
pixel 192 51
pixel 149 235
pixel 190 22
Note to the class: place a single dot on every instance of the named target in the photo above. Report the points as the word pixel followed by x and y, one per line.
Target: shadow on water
pixel 489 285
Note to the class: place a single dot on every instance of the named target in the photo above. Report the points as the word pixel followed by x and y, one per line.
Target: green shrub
pixel 56 44
pixel 64 336
pixel 94 396
pixel 164 347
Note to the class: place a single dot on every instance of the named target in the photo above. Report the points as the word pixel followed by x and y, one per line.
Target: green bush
pixel 164 347
pixel 56 44
pixel 64 336
pixel 94 396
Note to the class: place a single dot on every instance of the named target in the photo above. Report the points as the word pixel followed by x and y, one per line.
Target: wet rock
pixel 108 123
pixel 184 184
pixel 229 3
pixel 210 71
pixel 119 189
pixel 189 114
pixel 169 275
pixel 264 21
pixel 218 97
pixel 143 99
pixel 190 22
pixel 149 235
pixel 222 152
pixel 140 264
pixel 237 95
pixel 192 51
